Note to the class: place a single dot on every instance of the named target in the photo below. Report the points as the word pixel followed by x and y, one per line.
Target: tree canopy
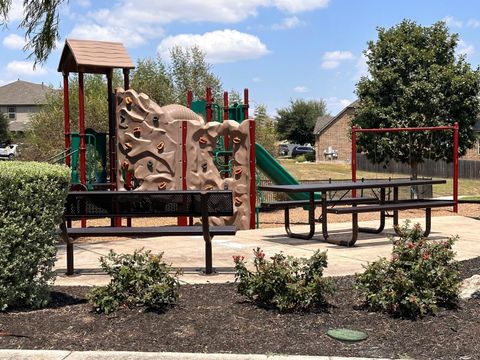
pixel 40 23
pixel 296 122
pixel 265 133
pixel 416 80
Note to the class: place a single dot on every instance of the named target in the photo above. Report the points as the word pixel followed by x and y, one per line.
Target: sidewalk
pixel 188 252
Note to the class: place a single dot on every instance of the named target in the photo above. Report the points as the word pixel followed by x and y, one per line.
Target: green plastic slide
pixel 276 172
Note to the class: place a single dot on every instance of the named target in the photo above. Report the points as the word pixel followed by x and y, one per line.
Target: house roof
pixel 324 122
pixel 93 57
pixel 23 93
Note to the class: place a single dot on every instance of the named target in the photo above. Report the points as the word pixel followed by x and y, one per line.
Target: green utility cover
pixel 347 335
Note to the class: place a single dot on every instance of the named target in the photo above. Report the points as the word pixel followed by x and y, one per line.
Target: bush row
pixel 32 196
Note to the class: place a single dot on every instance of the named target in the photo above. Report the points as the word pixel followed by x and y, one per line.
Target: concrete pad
pixel 188 252
pixel 33 354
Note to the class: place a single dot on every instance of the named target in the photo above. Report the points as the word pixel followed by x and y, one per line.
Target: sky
pixel 281 50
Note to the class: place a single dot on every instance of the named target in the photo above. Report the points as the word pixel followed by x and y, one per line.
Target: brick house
pixel 332 135
pixel 20 99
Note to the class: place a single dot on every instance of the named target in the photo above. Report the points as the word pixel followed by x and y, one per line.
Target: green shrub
pixel 32 197
pixel 285 282
pixel 301 158
pixel 138 280
pixel 420 276
pixel 310 157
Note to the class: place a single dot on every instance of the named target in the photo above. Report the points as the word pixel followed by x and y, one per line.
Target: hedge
pixel 32 196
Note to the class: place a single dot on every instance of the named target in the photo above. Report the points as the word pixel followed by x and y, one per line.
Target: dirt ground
pixel 213 318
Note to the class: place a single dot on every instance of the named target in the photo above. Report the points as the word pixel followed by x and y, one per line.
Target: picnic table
pixel 363 205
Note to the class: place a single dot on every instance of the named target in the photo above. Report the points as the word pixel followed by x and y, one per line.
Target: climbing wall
pixel 150 152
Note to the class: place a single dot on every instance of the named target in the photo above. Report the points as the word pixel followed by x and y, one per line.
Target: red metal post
pixel 183 221
pixel 225 117
pixel 111 130
pixel 354 158
pixel 245 103
pixel 253 180
pixel 209 104
pixel 455 167
pixel 189 98
pixel 81 127
pixel 66 118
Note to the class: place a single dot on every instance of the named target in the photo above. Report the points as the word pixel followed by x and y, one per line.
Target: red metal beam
pixel 209 104
pixel 354 158
pixel 245 103
pixel 432 128
pixel 126 79
pixel 455 167
pixel 225 117
pixel 66 118
pixel 189 98
pixel 81 126
pixel 253 181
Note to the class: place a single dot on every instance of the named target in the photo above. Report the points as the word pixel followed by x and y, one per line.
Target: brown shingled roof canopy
pixel 98 57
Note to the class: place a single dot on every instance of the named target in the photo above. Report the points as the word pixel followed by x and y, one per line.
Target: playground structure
pixel 202 146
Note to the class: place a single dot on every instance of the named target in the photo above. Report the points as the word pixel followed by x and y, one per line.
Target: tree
pixel 416 80
pixel 265 133
pixel 189 70
pixel 296 122
pixel 5 135
pixel 40 22
pixel 152 78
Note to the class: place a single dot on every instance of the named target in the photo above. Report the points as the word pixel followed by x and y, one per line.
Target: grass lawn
pixel 324 171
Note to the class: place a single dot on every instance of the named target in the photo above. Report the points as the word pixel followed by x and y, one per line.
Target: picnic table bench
pixel 135 204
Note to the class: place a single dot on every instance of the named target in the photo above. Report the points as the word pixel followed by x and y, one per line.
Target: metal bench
pixel 135 204
pixel 394 206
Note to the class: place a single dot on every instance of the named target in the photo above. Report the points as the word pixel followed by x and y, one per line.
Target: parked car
pixel 283 149
pixel 300 150
pixel 8 151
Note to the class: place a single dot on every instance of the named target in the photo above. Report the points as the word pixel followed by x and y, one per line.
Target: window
pixel 11 113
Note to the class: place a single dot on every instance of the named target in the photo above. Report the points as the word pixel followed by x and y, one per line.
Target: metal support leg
pixel 206 233
pixel 324 216
pixel 70 269
pixel 311 221
pixel 382 218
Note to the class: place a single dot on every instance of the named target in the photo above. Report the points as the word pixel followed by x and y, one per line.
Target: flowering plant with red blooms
pixel 420 276
pixel 284 282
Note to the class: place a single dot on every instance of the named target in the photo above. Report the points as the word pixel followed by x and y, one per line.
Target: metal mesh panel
pixel 145 204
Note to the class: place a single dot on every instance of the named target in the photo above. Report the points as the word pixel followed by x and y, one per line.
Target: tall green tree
pixel 40 23
pixel 5 135
pixel 415 80
pixel 189 70
pixel 296 122
pixel 265 132
pixel 151 77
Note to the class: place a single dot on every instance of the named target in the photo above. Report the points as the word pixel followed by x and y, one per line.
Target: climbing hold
pixel 128 100
pixel 125 164
pixel 155 119
pixel 150 165
pixel 237 140
pixel 209 187
pixel 204 166
pixel 162 185
pixel 202 140
pixel 160 146
pixel 238 201
pixel 128 146
pixel 238 171
pixel 137 132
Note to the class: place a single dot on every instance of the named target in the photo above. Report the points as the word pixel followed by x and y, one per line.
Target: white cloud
pixel 84 3
pixel 465 48
pixel 473 23
pixel 24 68
pixel 335 104
pixel 145 19
pixel 361 67
pixel 14 42
pixel 220 46
pixel 16 11
pixel 332 59
pixel 300 89
pixel 453 22
pixel 288 23
pixel 296 6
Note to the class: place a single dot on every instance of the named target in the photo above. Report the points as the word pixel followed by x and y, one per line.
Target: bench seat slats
pixel 399 205
pixel 151 231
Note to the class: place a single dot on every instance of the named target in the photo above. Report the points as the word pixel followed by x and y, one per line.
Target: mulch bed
pixel 213 318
